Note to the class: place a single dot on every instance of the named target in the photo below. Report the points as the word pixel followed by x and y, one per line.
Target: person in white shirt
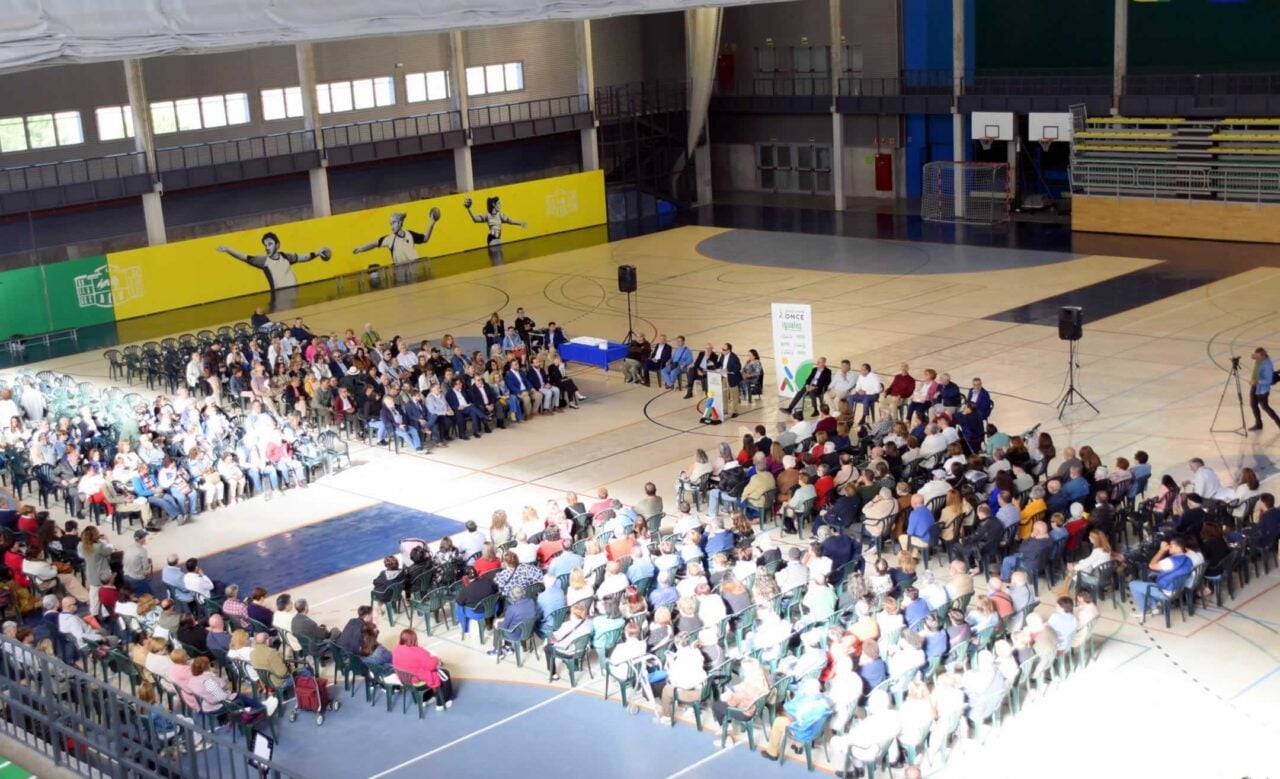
pixel 933 442
pixel 471 541
pixel 1205 482
pixel 950 435
pixel 936 487
pixel 866 392
pixel 75 628
pixel 842 382
pixel 195 581
pixel 802 429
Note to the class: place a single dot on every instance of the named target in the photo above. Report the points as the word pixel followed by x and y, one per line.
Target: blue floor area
pixel 861 255
pixel 287 560
pixel 573 736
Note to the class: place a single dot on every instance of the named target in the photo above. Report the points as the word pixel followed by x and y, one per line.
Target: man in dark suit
pixel 981 399
pixel 814 388
pixel 731 369
pixel 984 540
pixel 521 393
pixel 416 416
pixel 463 409
pixel 555 337
pixel 487 401
pixel 658 358
pixel 763 442
pixel 706 361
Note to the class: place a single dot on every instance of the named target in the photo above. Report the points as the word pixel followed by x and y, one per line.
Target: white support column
pixel 587 86
pixel 1120 64
pixel 305 55
pixel 145 142
pixel 959 143
pixel 837 120
pixel 464 176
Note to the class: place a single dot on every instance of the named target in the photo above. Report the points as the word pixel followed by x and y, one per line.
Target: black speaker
pixel 626 278
pixel 1070 323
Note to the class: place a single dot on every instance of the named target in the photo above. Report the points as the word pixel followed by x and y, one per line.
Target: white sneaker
pixel 448 705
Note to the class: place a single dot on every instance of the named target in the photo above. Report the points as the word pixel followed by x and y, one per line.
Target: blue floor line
pixel 295 557
pixel 1257 682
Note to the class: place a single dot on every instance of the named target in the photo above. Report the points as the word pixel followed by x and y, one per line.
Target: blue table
pixel 593 355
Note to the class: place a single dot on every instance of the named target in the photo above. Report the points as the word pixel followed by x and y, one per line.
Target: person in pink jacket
pixel 417 666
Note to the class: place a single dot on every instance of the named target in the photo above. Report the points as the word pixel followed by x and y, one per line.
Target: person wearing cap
pixel 136 565
pixel 1193 517
pixel 806 714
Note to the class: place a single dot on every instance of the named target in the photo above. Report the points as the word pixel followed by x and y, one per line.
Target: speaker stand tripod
pixel 1232 376
pixel 1073 395
pixel 631 330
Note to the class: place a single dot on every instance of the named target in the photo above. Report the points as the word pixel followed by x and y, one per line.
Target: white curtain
pixel 702 37
pixel 35 32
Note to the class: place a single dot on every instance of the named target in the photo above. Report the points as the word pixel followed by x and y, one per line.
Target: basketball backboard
pixel 1049 127
pixel 992 125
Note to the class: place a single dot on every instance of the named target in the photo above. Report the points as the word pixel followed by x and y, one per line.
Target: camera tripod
pixel 1073 395
pixel 1232 376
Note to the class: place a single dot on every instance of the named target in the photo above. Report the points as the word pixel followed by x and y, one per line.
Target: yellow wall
pixel 1177 218
pixel 160 278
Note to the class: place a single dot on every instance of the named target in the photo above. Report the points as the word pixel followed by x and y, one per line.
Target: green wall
pixel 1179 35
pixel 60 296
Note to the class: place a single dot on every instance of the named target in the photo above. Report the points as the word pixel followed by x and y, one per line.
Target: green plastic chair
pixel 704 696
pixel 518 636
pixel 743 623
pixel 807 743
pixel 1084 653
pixel 625 681
pixel 748 722
pixel 576 657
pixel 395 595
pixel 434 603
pixel 377 680
pixel 348 666
pixel 418 692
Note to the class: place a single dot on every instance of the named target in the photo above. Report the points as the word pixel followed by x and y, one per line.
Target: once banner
pixel 713 408
pixel 792 346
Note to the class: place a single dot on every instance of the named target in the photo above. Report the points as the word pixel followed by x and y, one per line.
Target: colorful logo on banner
pixel 713 411
pixel 792 345
pixel 280 258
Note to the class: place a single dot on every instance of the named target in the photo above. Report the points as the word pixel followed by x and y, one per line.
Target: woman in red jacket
pixel 419 667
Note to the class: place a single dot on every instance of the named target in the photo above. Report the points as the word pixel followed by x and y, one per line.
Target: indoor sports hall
pixel 222 227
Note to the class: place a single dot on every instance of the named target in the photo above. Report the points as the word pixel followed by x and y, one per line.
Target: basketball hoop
pixel 1045 143
pixel 986 142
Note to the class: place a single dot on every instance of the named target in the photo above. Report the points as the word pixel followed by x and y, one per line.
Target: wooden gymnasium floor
pixel 1155 371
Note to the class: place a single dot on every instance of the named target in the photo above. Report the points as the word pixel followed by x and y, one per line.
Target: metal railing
pixel 1040 81
pixel 390 129
pixel 782 86
pixel 53 174
pixel 89 727
pixel 1202 84
pixel 640 98
pixel 1201 182
pixel 198 155
pixel 908 82
pixel 568 105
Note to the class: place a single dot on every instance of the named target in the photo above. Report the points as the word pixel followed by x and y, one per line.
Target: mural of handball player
pixel 277 265
pixel 495 219
pixel 400 242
